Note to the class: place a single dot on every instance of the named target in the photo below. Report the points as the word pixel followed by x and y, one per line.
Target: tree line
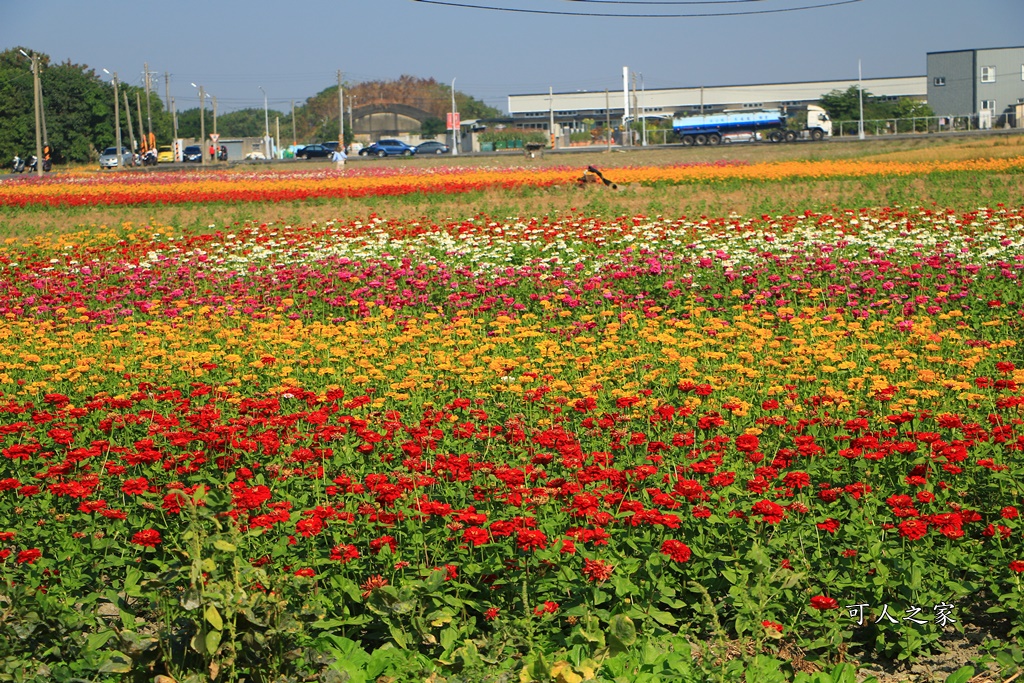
pixel 78 109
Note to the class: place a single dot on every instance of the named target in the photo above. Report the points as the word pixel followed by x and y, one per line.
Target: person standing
pixel 339 157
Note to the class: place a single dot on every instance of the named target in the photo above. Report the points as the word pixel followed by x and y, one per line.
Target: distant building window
pixel 753 105
pixel 939 80
pixel 988 74
pixel 1022 72
pixel 988 104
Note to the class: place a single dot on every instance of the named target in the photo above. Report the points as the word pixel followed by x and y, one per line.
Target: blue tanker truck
pixel 772 125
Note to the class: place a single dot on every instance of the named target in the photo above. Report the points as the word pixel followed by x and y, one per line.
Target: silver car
pixel 109 157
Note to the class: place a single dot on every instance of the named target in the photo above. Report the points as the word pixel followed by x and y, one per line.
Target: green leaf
pixel 621 633
pixel 221 544
pixel 213 617
pixel 961 675
pixel 118 663
pixel 212 642
pixel 399 636
pixel 97 640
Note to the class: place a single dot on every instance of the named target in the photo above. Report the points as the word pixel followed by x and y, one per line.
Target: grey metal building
pixel 983 83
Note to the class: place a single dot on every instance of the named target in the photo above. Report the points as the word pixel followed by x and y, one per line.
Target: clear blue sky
pixel 294 49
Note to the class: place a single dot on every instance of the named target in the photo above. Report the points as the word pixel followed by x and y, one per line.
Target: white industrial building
pixel 569 109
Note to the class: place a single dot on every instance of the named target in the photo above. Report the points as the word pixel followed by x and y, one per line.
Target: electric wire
pixel 743 13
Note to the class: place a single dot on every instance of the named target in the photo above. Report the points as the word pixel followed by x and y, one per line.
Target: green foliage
pixel 77 106
pixel 432 127
pixel 845 106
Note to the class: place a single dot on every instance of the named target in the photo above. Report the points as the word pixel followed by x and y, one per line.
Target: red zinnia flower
pixel 531 539
pixel 28 556
pixel 135 486
pixel 475 536
pixel 1017 566
pixel 148 538
pixel 491 614
pixel 677 550
pixel 822 602
pixel 373 583
pixel 830 525
pixel 772 625
pixel 378 543
pixel 597 571
pixel 344 553
pixel 913 529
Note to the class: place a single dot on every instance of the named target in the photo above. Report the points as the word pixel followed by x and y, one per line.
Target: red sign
pixel 454 121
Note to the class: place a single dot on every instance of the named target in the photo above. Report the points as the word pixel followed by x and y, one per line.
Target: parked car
pixel 387 148
pixel 165 154
pixel 432 147
pixel 193 153
pixel 728 138
pixel 314 152
pixel 109 158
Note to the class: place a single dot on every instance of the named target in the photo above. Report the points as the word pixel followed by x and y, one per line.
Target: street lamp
pixel 266 123
pixel 202 123
pixel 117 115
pixel 455 129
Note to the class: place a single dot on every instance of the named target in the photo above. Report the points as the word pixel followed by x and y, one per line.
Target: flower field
pixel 557 448
pixel 89 189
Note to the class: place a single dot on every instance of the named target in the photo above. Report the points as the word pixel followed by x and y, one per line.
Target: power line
pixel 742 13
pixel 667 2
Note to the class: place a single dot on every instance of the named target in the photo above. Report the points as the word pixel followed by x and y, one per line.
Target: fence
pixel 872 127
pixel 920 124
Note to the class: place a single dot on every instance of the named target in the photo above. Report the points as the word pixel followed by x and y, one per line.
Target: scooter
pixel 30 165
pixel 19 165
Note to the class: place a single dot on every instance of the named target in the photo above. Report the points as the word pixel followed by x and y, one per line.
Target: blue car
pixel 388 148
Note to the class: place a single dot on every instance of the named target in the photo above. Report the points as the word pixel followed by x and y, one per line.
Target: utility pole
pixel 625 102
pixel 643 110
pixel 341 114
pixel 174 121
pixel 167 91
pixel 635 110
pixel 37 96
pixel 202 126
pixel 131 130
pixel 266 124
pixel 455 129
pixel 551 114
pixel 860 94
pixel 117 113
pixel 149 110
pixel 142 131
pixel 277 127
pixel 351 124
pixel 608 119
pixel 42 120
pixel 294 139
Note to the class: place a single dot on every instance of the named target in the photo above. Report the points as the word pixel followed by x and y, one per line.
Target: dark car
pixel 313 152
pixel 192 153
pixel 388 148
pixel 432 147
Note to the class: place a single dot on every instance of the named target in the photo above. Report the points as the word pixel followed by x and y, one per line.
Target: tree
pixel 17 134
pixel 844 105
pixel 432 127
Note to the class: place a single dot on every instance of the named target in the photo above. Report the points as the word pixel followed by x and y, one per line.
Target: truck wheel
pixel 790 136
pixel 817 134
pixel 701 139
pixel 775 136
pixel 687 141
pixel 714 139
